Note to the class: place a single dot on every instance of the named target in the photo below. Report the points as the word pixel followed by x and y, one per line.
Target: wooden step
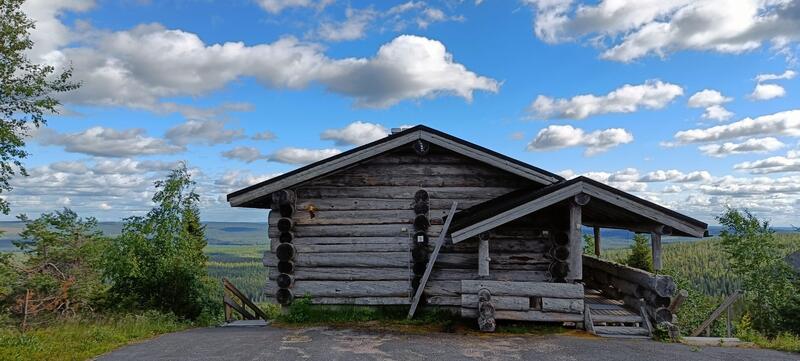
pixel 616 318
pixel 606 331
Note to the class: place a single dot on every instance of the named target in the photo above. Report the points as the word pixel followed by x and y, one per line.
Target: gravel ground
pixel 322 343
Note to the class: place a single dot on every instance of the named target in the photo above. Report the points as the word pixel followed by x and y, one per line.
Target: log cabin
pixel 421 217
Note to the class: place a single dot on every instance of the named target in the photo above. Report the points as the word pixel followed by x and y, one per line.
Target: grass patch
pixel 81 339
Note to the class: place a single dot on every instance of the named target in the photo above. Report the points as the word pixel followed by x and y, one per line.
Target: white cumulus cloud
pixel 563 136
pixel 356 133
pixel 781 123
pixel 767 91
pixel 752 145
pixel 292 155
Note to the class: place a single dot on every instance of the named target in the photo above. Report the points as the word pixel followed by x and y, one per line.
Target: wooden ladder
pixel 241 307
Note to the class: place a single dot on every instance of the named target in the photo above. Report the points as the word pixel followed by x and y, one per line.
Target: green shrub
pixel 158 261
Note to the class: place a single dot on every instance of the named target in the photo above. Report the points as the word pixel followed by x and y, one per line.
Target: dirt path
pixel 271 343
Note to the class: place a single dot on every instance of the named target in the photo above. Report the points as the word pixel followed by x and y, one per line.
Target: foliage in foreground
pixel 158 261
pixel 26 91
pixel 60 273
pixel 83 338
pixel 640 256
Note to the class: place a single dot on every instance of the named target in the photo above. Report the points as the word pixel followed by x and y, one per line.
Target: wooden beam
pixel 432 260
pixel 597 241
pixel 483 257
pixel 529 289
pixel 714 315
pixel 517 212
pixel 575 243
pixel 655 243
pixel 677 301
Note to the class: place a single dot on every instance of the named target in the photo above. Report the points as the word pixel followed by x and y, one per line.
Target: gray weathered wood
pixel 535 316
pixel 349 273
pixel 334 217
pixel 397 179
pixel 368 230
pixel 618 330
pixel 564 305
pixel 530 289
pixel 483 258
pixel 662 285
pixel 509 303
pixel 588 322
pixel 432 261
pixel 678 300
pixel 486 311
pixel 347 289
pixel 362 204
pixel 354 259
pixel 575 243
pixel 515 213
pixel 582 199
pixel 401 192
pixel 597 239
pixel 655 240
pixel 361 301
pixel 630 318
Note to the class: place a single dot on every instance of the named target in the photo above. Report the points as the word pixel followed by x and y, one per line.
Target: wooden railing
pixel 725 306
pixel 636 288
pixel 245 307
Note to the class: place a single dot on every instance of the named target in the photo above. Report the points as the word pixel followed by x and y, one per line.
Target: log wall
pixel 354 233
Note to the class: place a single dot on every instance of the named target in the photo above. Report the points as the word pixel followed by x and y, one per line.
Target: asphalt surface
pixel 271 343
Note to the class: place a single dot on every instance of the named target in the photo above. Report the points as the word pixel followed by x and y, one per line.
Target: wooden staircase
pixel 610 318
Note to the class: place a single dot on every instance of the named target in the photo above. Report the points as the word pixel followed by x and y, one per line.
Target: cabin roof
pixel 609 202
pixel 253 196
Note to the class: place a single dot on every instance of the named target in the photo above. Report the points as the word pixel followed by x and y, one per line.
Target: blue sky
pixel 610 89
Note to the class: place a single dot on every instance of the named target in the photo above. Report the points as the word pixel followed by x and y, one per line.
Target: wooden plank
pixel 369 230
pixel 644 211
pixel 516 213
pixel 588 322
pixel 533 315
pixel 529 289
pixel 492 160
pixel 575 243
pixel 662 285
pixel 242 311
pixel 565 305
pixel 361 301
pixel 510 303
pixel 392 216
pixel 677 301
pixel 431 261
pixel 404 192
pixel 714 315
pixel 655 242
pixel 349 274
pixel 359 203
pixel 505 261
pixel 496 275
pixel 601 318
pixel 483 258
pixel 242 297
pixel 325 168
pixel 347 289
pixel 620 330
pixel 500 244
pixel 347 248
pixel 597 239
pixel 398 179
pixel 354 259
pixel 389 164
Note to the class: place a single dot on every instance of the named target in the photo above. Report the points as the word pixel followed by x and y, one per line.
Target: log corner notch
pixel 283 201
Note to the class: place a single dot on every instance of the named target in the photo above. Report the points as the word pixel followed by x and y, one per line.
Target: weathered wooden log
pixel 355 259
pixel 575 243
pixel 510 303
pixel 285 237
pixel 285 252
pixel 625 287
pixel 367 230
pixel 498 244
pixel 350 289
pixel 285 224
pixel 340 217
pixel 348 274
pixel 284 280
pixel 361 301
pixel 561 238
pixel 421 207
pixel 430 181
pixel 421 222
pixel 421 196
pixel 284 296
pixel 285 267
pixel 366 204
pixel 535 316
pixel 286 210
pixel 483 258
pixel 564 305
pixel 560 253
pixel 582 199
pixel 559 270
pixel 401 192
pixel 283 196
pixel 421 238
pixel 499 261
pixel 530 289
pixel 496 275
pixel 662 285
pixel 678 300
pixel 486 311
pixel 349 248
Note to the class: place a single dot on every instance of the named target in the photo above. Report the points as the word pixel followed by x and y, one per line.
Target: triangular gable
pixel 246 197
pixel 484 217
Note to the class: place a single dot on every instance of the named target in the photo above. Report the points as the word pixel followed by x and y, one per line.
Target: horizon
pixel 572 87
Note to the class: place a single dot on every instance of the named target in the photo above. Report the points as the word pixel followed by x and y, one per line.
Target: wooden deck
pixel 611 318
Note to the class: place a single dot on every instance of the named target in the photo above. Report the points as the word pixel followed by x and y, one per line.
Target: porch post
pixel 655 241
pixel 597 241
pixel 575 242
